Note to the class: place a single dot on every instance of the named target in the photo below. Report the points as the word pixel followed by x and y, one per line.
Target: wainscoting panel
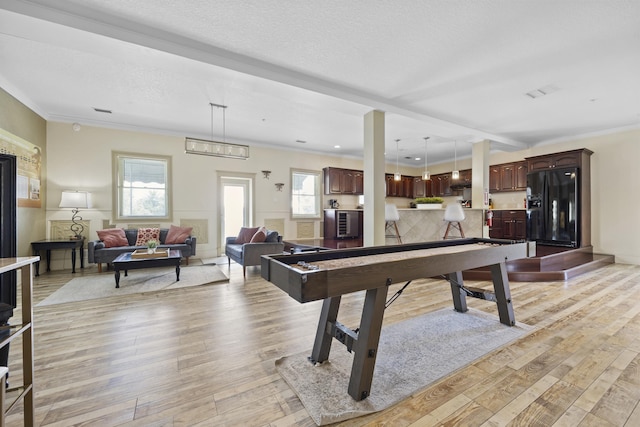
pixel 61 229
pixel 305 230
pixel 200 229
pixel 275 224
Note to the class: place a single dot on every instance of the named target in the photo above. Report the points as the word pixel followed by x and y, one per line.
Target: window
pixel 142 187
pixel 305 194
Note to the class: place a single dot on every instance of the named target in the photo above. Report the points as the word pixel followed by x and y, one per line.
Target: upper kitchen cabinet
pixel 402 188
pixel 508 177
pixel 421 188
pixel 441 184
pixel 343 181
pixel 574 158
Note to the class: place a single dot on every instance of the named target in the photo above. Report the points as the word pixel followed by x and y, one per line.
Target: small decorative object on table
pixel 429 202
pixel 151 246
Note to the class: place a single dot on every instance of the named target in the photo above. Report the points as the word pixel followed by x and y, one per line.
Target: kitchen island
pixel 425 225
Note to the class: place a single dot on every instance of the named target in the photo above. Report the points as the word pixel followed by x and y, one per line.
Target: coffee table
pixel 126 262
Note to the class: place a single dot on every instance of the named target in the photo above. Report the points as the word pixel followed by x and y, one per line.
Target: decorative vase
pixel 151 250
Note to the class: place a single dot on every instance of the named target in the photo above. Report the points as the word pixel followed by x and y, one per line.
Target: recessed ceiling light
pixel 417 158
pixel 336 146
pixel 102 110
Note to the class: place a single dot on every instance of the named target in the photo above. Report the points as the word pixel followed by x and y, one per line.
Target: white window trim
pixel 318 194
pixel 116 187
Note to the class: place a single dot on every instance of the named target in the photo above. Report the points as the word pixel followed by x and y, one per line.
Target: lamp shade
pixel 75 199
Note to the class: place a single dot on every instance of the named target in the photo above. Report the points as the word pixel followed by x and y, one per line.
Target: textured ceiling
pixel 290 70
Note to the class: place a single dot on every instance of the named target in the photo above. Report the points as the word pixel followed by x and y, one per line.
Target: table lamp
pixel 76 200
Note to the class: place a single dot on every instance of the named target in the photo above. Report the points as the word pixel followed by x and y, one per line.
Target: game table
pixel 327 275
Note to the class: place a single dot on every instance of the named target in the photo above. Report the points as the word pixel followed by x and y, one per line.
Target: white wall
pixel 82 160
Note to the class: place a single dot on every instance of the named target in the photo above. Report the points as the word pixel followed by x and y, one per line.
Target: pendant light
pixel 397 176
pixel 456 173
pixel 425 174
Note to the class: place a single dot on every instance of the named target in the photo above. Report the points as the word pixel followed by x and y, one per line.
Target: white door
pixel 236 209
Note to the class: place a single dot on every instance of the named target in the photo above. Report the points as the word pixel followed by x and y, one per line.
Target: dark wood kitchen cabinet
pixel 509 224
pixel 508 177
pixel 343 181
pixel 573 158
pixel 421 187
pixel 441 184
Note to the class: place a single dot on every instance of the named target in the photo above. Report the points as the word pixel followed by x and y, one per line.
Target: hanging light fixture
pixel 397 176
pixel 425 174
pixel 456 173
pixel 216 148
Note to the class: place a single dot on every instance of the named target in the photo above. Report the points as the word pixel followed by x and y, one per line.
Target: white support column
pixel 374 183
pixel 480 177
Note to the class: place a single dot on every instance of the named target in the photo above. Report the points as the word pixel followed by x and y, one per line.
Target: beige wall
pixel 19 120
pixel 83 160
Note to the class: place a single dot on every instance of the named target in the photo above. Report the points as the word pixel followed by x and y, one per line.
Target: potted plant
pixel 151 246
pixel 429 202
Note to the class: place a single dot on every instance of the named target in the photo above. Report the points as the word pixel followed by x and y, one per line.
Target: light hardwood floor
pixel 204 356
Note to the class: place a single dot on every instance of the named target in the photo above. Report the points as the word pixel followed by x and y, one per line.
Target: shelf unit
pixel 25 330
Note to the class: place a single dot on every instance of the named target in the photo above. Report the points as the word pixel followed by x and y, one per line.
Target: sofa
pixel 100 251
pixel 246 249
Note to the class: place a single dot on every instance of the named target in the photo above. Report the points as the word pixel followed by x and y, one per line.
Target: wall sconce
pixel 76 200
pixel 266 174
pixel 279 186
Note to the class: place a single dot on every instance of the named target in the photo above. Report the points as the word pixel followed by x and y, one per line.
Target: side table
pixel 51 244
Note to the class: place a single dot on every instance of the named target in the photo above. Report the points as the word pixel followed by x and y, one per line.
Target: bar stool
pixel 391 216
pixel 453 214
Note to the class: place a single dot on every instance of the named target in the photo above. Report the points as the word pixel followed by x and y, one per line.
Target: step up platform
pixel 551 263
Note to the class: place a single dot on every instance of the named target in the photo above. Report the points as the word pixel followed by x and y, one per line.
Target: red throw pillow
pixel 177 235
pixel 146 234
pixel 113 237
pixel 260 235
pixel 246 234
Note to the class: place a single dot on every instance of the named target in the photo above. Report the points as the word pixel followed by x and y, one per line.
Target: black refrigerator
pixel 553 207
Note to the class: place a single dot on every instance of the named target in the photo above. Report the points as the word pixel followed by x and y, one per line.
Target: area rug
pixel 138 281
pixel 412 355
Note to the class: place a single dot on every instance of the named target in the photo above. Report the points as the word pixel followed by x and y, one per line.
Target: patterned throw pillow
pixel 113 237
pixel 245 235
pixel 177 235
pixel 146 234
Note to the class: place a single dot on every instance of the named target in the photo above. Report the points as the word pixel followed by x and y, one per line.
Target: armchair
pixel 248 254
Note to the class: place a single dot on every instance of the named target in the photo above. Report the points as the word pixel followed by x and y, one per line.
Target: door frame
pixel 223 178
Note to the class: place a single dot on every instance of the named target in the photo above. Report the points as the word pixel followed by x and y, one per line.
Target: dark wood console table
pixel 50 244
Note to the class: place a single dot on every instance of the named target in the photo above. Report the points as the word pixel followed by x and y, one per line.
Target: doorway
pixel 236 205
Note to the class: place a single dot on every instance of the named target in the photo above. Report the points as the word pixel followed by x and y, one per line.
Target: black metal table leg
pixel 73 260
